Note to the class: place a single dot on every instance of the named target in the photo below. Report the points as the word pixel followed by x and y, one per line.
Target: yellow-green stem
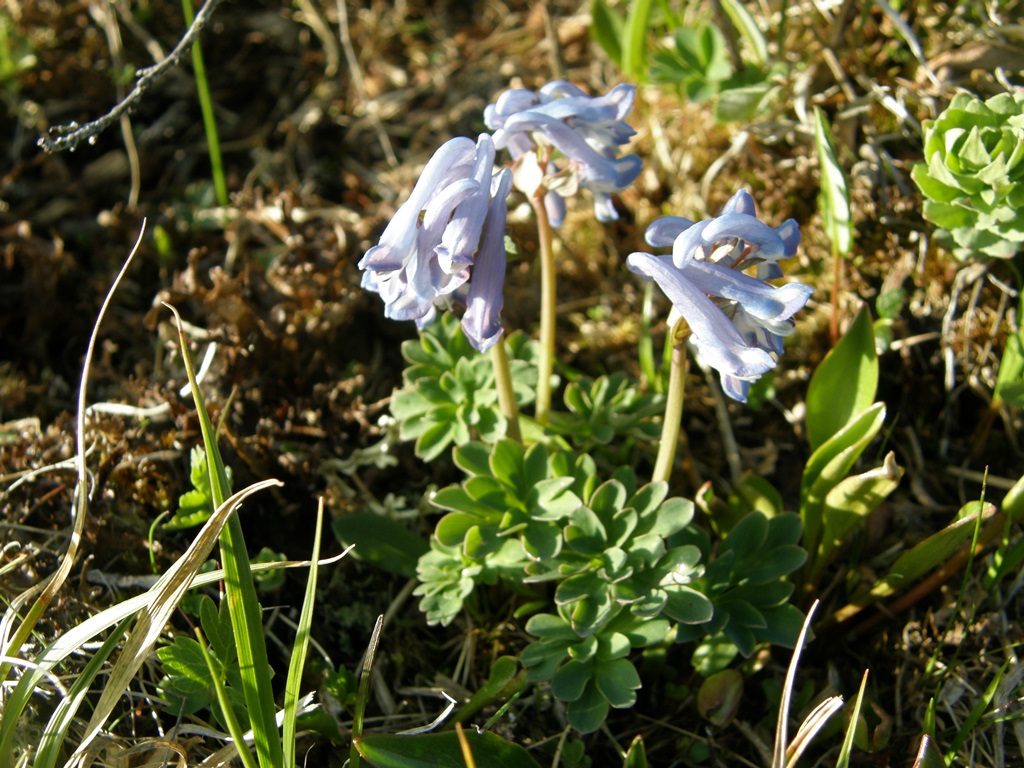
pixel 546 361
pixel 673 413
pixel 506 395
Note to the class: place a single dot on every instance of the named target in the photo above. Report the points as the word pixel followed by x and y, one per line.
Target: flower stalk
pixel 546 360
pixel 673 405
pixel 506 394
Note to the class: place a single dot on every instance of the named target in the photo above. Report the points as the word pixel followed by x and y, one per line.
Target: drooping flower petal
pixel 482 320
pixel 442 237
pixel 718 340
pixel 664 231
pixel 737 320
pixel 586 132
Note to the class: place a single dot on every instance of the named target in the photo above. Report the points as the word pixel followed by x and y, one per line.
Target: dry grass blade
pixel 813 723
pixel 81 504
pixel 781 735
pixel 154 614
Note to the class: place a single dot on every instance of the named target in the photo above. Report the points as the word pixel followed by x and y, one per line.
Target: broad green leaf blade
pixel 834 198
pixel 442 750
pixel 851 501
pixel 1013 502
pixel 505 679
pixel 636 757
pixel 1010 379
pixel 844 384
pixel 931 553
pixel 828 465
pixel 382 541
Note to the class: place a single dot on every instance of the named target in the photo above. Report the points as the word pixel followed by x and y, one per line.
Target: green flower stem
pixel 506 395
pixel 546 361
pixel 206 105
pixel 673 407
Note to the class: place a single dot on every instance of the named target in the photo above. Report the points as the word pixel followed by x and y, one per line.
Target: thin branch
pixel 69 136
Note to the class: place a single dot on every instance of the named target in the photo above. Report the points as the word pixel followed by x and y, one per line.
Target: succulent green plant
pixel 448 394
pixel 973 175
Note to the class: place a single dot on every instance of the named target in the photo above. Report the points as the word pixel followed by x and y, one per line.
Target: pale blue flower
pixel 445 244
pixel 577 137
pixel 737 321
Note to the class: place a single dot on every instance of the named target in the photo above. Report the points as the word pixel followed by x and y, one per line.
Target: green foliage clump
pixel 448 393
pixel 973 175
pixel 625 562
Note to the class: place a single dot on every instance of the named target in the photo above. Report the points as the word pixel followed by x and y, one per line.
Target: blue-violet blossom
pixel 446 243
pixel 587 133
pixel 736 320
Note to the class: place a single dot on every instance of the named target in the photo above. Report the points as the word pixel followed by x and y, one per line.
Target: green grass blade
pixel 75 637
pixel 234 728
pixel 363 693
pixel 983 703
pixel 843 761
pixel 151 619
pixel 744 22
pixel 299 650
pixel 634 49
pixel 782 722
pixel 56 730
pixel 206 106
pixel 240 592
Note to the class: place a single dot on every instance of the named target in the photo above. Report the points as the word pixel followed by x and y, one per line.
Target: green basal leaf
pixel 829 464
pixel 433 442
pixel 1010 379
pixel 441 750
pixel 380 540
pixel 851 501
pixel 928 755
pixel 742 103
pixel 607 29
pixel 634 39
pixel 844 384
pixel 930 553
pixel 834 198
pixel 748 536
pixel 506 463
pixel 636 755
pixel 747 27
pixel 687 606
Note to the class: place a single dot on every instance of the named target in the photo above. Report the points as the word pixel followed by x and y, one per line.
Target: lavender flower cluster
pixel 445 244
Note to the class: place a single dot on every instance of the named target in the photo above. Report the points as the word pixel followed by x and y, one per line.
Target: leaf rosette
pixel 973 175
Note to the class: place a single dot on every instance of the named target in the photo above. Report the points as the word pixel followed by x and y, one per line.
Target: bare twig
pixel 69 136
